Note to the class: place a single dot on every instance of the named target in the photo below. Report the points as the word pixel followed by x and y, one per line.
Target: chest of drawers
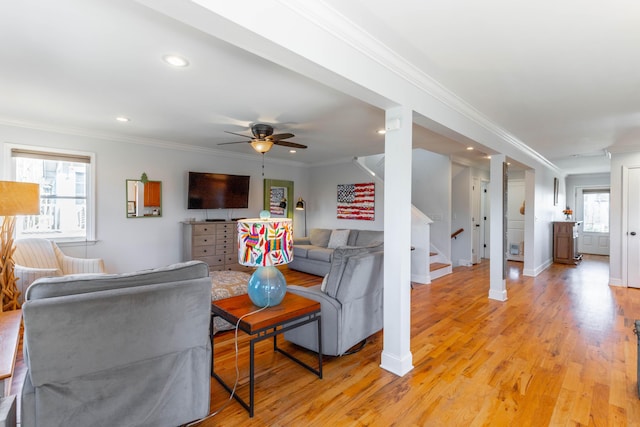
pixel 212 242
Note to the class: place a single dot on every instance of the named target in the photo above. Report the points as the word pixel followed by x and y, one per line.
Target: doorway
pixel 592 208
pixel 485 223
pixel 476 216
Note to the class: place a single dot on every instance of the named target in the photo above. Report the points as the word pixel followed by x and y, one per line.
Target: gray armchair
pixel 118 349
pixel 351 302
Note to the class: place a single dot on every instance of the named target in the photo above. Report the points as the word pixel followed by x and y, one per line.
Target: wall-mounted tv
pixel 217 191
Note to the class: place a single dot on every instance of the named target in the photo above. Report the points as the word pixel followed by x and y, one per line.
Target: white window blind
pixel 65 177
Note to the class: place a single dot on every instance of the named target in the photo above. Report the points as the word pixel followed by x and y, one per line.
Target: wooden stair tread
pixel 437 266
pixel 433 253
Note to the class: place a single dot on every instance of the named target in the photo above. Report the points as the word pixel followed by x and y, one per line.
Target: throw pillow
pixel 338 238
pixel 323 287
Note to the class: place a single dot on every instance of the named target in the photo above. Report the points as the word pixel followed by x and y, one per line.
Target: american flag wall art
pixel 357 201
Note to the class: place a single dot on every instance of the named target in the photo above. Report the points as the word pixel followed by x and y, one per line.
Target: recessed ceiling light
pixel 123 119
pixel 292 151
pixel 488 157
pixel 175 60
pixel 469 148
pixel 382 131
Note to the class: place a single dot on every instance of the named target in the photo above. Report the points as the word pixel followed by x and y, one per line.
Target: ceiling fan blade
pixel 280 136
pixel 235 142
pixel 239 134
pixel 290 144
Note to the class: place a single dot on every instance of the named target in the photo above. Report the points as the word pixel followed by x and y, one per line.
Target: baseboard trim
pixel 498 295
pixel 396 365
pixel 617 282
pixel 534 272
pixel 423 279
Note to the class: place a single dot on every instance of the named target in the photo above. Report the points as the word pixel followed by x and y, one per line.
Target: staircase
pixel 437 268
pixel 427 262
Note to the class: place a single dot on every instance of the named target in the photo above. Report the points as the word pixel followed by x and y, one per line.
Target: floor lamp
pixel 16 198
pixel 301 206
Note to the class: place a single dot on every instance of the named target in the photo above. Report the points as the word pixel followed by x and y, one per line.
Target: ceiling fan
pixel 263 138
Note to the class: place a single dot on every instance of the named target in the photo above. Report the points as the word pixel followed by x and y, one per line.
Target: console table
pixel 9 338
pixel 292 312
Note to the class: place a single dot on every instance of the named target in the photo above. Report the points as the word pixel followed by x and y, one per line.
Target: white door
pixel 632 233
pixel 485 224
pixel 476 251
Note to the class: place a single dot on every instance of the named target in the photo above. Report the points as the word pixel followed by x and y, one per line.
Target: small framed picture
pixel 131 207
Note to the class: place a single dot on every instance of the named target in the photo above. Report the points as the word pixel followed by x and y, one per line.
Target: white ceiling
pixel 563 77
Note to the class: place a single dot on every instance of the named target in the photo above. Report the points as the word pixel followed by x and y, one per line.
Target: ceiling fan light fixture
pixel 262 146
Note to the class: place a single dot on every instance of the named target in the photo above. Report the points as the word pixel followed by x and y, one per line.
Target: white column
pixel 396 354
pixel 497 279
pixel 529 223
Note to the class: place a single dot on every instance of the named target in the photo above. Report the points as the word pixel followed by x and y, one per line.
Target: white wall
pixel 431 193
pixel 545 213
pixel 128 244
pixel 461 217
pixel 322 196
pixel 585 180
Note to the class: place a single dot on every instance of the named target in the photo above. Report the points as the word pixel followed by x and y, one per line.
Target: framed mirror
pixel 144 199
pixel 278 198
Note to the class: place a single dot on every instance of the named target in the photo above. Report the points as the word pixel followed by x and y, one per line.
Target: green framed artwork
pixel 278 198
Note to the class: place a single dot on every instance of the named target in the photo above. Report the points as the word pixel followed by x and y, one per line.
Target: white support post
pixel 497 273
pixel 396 354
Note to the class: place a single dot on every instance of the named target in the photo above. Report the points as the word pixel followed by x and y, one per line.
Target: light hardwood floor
pixel 560 351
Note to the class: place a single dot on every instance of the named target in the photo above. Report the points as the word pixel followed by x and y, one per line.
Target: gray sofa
pixel 312 254
pixel 351 302
pixel 118 349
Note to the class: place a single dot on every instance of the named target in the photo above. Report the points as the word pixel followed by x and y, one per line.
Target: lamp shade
pixel 265 243
pixel 19 198
pixel 300 204
pixel 262 145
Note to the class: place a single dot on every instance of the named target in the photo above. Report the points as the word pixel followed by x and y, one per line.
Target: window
pixel 596 211
pixel 65 193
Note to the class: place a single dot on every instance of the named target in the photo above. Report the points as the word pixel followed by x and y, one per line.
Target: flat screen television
pixel 217 191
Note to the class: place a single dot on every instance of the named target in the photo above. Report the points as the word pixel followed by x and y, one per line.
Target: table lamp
pixel 16 198
pixel 264 243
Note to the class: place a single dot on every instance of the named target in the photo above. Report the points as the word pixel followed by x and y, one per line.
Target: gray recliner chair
pixel 351 302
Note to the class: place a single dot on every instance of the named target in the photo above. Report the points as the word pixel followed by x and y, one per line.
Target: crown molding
pixel 156 143
pixel 340 161
pixel 341 27
pixel 623 149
